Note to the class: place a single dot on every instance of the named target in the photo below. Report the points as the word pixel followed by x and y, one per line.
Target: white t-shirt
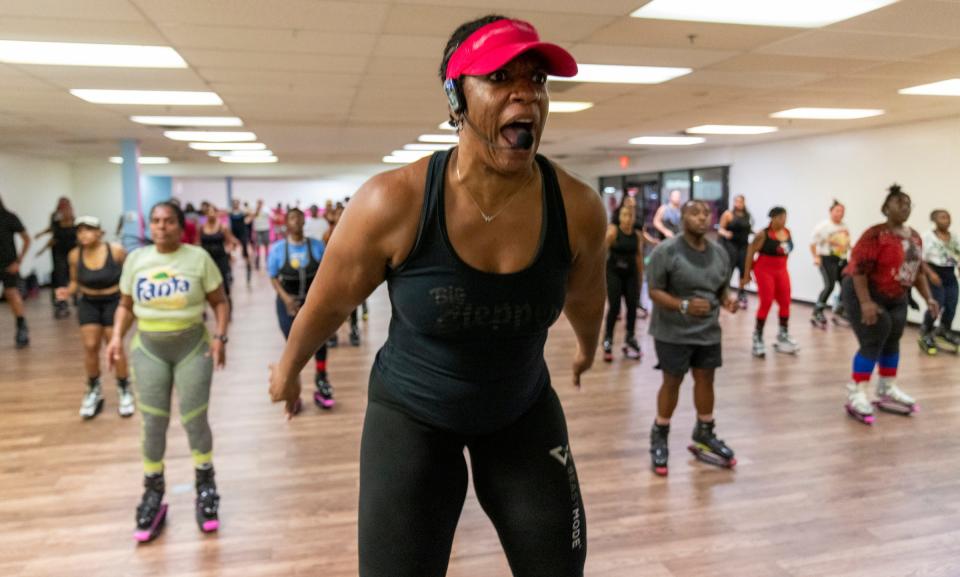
pixel 315 227
pixel 940 253
pixel 832 239
pixel 261 222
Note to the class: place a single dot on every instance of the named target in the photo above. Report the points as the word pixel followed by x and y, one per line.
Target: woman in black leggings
pixel 830 247
pixel 482 247
pixel 736 226
pixel 624 271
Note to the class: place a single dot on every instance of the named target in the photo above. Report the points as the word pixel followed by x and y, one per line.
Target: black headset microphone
pixel 458 106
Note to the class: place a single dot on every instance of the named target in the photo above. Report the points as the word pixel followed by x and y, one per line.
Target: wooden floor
pixel 815 494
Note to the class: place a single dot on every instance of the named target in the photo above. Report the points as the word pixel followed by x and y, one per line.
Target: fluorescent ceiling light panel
pixel 227 146
pixel 667 140
pixel 431 147
pixel 209 136
pixel 188 120
pixel 445 125
pixel 616 74
pixel 237 153
pixel 943 88
pixel 731 129
pixel 390 159
pixel 78 54
pixel 414 154
pixel 143 160
pixel 439 138
pixel 569 106
pixel 796 14
pixel 150 97
pixel 827 113
pixel 249 159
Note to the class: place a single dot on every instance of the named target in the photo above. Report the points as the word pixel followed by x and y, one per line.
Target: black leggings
pixel 830 269
pixel 413 481
pixel 738 258
pixel 881 339
pixel 622 284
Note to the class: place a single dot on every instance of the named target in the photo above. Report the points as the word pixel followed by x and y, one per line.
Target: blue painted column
pixel 133 224
pixel 154 189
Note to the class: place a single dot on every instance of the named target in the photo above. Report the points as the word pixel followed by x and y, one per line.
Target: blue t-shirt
pixel 298 254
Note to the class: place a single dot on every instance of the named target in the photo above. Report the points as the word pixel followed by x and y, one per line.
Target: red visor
pixel 497 43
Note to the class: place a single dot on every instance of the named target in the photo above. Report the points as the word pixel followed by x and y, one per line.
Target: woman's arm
pixel 639 257
pixel 658 222
pixel 122 321
pixel 611 236
pixel 586 285
pixel 725 219
pixel 755 245
pixel 221 309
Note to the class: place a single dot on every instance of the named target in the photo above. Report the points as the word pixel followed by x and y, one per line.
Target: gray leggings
pixel 160 360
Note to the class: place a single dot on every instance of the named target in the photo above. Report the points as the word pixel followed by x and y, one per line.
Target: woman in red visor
pixel 482 247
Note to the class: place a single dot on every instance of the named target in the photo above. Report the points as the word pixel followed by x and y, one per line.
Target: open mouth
pixel 518 133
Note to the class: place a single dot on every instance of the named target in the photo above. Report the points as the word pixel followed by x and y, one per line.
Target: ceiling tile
pixel 672 34
pixel 292 14
pixel 109 10
pixel 268 39
pixel 824 43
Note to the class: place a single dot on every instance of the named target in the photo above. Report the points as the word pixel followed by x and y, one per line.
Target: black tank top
pixel 741 228
pixel 623 252
pixel 237 225
pixel 213 244
pixel 103 278
pixel 65 238
pixel 774 247
pixel 465 347
pixel 296 281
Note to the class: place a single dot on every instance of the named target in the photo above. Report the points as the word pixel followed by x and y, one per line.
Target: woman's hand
pixel 869 312
pixel 115 353
pixel 933 307
pixel 581 364
pixel 218 351
pixel 285 388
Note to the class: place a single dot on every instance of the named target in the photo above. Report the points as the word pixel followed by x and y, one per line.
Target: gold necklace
pixel 486 218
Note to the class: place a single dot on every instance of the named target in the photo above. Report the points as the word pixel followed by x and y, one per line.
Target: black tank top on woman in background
pixel 740 227
pixel 296 281
pixel 465 347
pixel 623 252
pixel 775 247
pixel 213 244
pixel 102 278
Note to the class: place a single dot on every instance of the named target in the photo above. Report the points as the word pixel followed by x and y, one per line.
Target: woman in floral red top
pixel 884 265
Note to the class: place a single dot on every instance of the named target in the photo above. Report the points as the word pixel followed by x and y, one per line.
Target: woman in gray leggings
pixel 166 286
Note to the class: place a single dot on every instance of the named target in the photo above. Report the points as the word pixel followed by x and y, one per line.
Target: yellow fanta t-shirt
pixel 169 289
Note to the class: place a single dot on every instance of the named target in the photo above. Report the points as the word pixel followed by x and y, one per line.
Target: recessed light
pixel 806 14
pixel 143 160
pixel 827 113
pixel 427 146
pixel 667 140
pixel 188 120
pixel 80 54
pixel 943 88
pixel 731 129
pixel 249 159
pixel 151 97
pixel 616 74
pixel 209 136
pixel 237 153
pixel 439 138
pixel 227 146
pixel 562 106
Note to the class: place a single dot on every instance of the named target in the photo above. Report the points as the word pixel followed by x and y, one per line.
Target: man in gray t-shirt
pixel 688 276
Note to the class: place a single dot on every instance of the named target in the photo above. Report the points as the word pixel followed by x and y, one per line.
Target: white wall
pixel 98 191
pixel 804 175
pixel 30 187
pixel 302 192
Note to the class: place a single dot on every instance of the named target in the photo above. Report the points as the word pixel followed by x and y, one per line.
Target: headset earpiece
pixel 454 96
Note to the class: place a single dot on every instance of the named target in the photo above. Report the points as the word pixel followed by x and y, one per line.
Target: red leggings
pixel 773 283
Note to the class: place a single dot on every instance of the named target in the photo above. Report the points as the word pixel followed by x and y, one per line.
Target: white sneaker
pixel 785 344
pixel 127 405
pixel 887 387
pixel 759 350
pixel 857 398
pixel 92 403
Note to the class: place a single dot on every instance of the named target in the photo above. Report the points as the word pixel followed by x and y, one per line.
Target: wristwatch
pixel 222 338
pixel 684 305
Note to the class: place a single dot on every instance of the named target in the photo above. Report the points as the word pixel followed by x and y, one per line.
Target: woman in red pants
pixel 771 246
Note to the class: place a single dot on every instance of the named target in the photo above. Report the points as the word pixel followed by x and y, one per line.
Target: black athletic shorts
pixel 676 359
pixel 97 310
pixel 8 280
